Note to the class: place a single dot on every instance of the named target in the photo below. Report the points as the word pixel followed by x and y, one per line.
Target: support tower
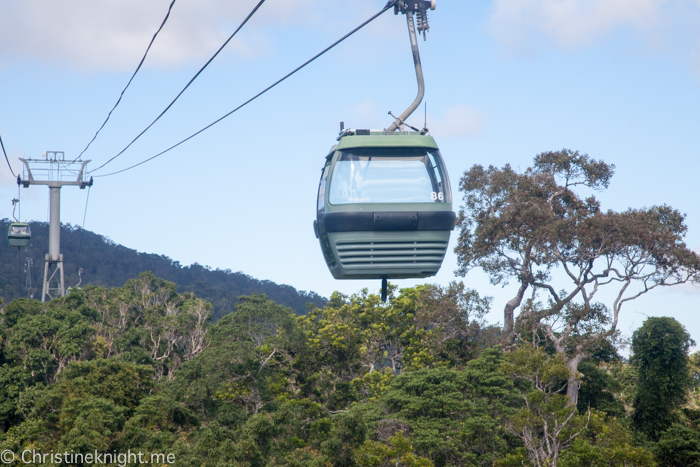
pixel 55 172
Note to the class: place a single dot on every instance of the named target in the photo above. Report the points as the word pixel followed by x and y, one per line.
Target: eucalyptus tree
pixel 539 229
pixel 147 321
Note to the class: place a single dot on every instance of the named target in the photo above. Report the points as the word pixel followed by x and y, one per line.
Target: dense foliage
pixel 108 264
pixel 356 383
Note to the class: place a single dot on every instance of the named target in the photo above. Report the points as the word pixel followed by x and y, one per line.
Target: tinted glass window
pixel 387 175
pixel 322 190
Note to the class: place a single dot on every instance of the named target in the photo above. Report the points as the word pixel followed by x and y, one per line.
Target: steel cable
pixel 130 80
pixel 250 15
pixel 387 7
pixel 6 158
pixel 82 232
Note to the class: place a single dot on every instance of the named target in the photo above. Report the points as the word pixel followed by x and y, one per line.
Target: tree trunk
pixel 509 315
pixel 573 383
pixel 572 388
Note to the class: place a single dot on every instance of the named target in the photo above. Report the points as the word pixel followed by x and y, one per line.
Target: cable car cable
pixel 82 230
pixel 250 15
pixel 130 80
pixel 8 160
pixel 19 274
pixel 389 5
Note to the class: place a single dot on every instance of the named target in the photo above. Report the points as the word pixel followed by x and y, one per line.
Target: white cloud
pixel 458 120
pixel 573 22
pixel 104 34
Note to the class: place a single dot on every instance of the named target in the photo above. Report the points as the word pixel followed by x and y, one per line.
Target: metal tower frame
pixel 55 172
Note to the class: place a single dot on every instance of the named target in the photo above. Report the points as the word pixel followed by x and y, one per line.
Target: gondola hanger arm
pixel 420 9
pixel 15 201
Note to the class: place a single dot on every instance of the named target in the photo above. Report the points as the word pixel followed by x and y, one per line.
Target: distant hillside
pixel 108 264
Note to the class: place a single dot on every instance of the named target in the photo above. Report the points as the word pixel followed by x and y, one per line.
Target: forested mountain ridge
pixel 106 263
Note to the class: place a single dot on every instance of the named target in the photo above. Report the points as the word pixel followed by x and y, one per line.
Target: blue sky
pixel 505 79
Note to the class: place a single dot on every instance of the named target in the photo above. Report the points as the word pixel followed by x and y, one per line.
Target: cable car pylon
pixel 55 172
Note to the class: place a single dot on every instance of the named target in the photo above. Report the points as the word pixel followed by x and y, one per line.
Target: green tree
pixel 660 354
pixel 449 325
pixel 157 423
pixel 91 424
pixel 606 443
pixel 678 446
pixel 85 410
pixel 45 338
pixel 246 365
pixel 455 417
pixel 600 389
pixel 398 452
pixel 349 432
pixel 356 345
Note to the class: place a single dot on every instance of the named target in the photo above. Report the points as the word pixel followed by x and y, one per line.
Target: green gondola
pixel 384 206
pixel 384 202
pixel 19 235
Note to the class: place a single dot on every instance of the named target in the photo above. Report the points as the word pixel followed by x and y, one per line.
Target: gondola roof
pixel 380 139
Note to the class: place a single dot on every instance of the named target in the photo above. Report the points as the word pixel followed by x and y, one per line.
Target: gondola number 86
pixel 437 196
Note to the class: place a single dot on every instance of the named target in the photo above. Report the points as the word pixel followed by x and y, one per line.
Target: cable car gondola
pixel 384 206
pixel 19 235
